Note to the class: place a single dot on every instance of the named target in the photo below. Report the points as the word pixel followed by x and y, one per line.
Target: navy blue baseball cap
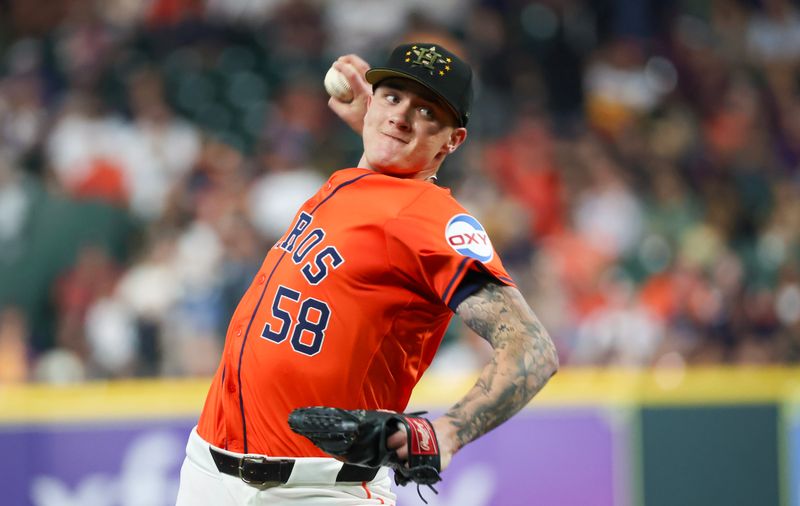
pixel 434 67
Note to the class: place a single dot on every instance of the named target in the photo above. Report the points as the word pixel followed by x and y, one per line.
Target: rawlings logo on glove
pixel 359 437
pixel 422 437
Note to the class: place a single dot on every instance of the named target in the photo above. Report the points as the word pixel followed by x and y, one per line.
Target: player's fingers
pixel 396 440
pixel 358 82
pixel 340 108
pixel 358 62
pixel 399 442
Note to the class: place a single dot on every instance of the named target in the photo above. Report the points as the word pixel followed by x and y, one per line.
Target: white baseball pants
pixel 312 482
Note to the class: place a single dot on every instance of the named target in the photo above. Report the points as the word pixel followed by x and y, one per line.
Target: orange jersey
pixel 347 310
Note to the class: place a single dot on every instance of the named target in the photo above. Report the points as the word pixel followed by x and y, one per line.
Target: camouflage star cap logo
pixel 435 68
pixel 428 58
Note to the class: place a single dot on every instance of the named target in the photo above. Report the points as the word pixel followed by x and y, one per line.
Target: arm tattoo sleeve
pixel 524 359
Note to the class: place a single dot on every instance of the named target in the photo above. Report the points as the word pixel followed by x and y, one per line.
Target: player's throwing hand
pixel 353 67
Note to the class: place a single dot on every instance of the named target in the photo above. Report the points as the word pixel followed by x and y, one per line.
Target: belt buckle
pixel 257 483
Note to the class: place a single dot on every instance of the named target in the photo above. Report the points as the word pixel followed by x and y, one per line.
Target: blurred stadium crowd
pixel 635 162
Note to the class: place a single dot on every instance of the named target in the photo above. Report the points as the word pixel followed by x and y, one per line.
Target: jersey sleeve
pixel 434 243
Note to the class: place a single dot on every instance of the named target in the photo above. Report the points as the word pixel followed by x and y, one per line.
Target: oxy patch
pixel 468 237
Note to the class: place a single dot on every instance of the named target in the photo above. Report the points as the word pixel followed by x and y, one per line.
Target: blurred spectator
pixel 22 108
pixel 142 302
pixel 606 212
pixel 622 332
pixel 288 177
pixel 243 252
pixel 298 25
pixel 621 85
pixel 84 44
pixel 92 277
pixel 728 24
pixel 787 311
pixel 14 206
pixel 111 339
pixel 361 26
pixel 160 149
pixel 189 341
pixel 523 165
pixel 166 13
pixel 122 13
pixel 773 34
pixel 98 155
pixel 13 347
pixel 641 181
pixel 672 211
pixel 276 194
pixel 85 151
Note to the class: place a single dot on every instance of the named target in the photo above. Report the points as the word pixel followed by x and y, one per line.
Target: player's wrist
pixel 447 436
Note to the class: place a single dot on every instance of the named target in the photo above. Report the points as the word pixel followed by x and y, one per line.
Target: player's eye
pixel 392 98
pixel 426 112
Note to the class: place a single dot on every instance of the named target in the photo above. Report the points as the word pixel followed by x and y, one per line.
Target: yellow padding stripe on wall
pixel 102 401
pixel 595 386
pixel 151 399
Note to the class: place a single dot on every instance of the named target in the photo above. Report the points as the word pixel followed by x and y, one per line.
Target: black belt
pixel 262 472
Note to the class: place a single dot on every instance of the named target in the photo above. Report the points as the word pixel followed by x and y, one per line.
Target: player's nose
pixel 400 117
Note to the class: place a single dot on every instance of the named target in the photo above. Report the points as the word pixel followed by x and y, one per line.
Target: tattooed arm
pixel 524 358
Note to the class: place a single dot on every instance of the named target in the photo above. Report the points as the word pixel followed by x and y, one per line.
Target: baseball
pixel 337 86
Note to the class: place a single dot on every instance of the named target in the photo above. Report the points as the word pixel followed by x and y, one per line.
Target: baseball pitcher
pixel 349 308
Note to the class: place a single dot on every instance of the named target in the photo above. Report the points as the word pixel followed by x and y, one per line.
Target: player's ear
pixel 457 138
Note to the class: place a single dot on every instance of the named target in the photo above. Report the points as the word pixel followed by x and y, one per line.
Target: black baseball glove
pixel 359 437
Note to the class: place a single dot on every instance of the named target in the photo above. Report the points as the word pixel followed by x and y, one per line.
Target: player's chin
pixel 395 170
pixel 391 164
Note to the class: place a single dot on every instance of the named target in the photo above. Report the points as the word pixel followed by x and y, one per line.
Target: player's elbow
pixel 554 364
pixel 550 357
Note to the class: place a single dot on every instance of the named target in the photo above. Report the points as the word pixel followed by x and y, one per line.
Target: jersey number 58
pixel 307 327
